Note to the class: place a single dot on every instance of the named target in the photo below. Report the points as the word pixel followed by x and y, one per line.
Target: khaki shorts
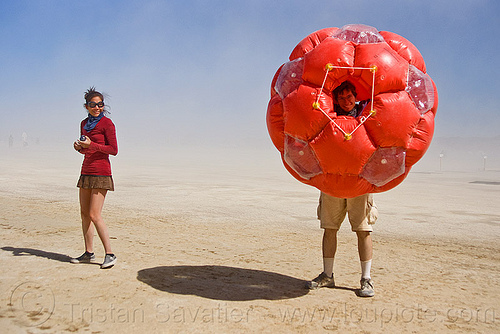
pixel 361 210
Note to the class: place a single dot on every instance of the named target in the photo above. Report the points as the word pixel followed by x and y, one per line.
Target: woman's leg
pixel 97 197
pixel 87 227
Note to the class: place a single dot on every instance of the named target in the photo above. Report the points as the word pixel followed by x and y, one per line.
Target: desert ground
pixel 221 240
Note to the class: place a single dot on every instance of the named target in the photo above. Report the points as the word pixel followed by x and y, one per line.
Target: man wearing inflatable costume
pixel 345 149
pixel 361 211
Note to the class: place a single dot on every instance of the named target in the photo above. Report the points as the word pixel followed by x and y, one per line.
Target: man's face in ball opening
pixel 346 100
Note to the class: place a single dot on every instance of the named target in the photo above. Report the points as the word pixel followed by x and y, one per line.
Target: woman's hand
pixel 77 146
pixel 85 143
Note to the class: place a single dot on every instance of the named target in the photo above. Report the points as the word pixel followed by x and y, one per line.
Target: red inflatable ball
pixel 346 156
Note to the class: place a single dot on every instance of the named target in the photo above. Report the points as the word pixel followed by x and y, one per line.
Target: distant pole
pixel 441 161
pixel 484 162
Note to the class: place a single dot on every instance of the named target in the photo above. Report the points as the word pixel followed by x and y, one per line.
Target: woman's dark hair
pixel 90 94
pixel 346 85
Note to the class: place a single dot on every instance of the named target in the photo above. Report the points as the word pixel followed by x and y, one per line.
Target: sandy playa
pixel 221 240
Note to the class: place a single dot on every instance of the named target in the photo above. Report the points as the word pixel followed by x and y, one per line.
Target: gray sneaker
pixel 109 261
pixel 322 281
pixel 366 288
pixel 84 258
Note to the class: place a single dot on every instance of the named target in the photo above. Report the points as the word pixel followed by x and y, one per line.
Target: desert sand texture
pixel 221 240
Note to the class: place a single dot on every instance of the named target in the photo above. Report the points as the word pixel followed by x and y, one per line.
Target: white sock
pixel 366 266
pixel 328 266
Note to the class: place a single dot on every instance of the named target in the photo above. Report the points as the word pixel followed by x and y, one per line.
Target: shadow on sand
pixel 223 283
pixel 36 252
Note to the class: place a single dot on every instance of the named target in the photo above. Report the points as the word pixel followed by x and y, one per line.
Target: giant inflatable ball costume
pixel 345 156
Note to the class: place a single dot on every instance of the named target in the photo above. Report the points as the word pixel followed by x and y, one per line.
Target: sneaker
pixel 109 261
pixel 366 288
pixel 84 258
pixel 320 282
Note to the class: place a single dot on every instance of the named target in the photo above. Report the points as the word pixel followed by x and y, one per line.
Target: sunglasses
pixel 93 104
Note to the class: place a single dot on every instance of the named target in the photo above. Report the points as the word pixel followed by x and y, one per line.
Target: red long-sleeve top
pixel 103 137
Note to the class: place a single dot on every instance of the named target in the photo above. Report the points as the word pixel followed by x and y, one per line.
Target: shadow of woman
pixel 223 283
pixel 36 252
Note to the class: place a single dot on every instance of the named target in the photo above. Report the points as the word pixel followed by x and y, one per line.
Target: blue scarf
pixel 92 122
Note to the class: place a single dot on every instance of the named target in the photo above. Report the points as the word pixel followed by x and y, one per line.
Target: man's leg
pixel 325 279
pixel 365 247
pixel 365 250
pixel 329 250
pixel 331 213
pixel 360 216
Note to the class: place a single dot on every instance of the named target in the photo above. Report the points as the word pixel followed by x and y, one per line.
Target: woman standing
pixel 97 142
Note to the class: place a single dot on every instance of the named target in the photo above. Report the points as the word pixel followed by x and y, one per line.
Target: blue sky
pixel 191 71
